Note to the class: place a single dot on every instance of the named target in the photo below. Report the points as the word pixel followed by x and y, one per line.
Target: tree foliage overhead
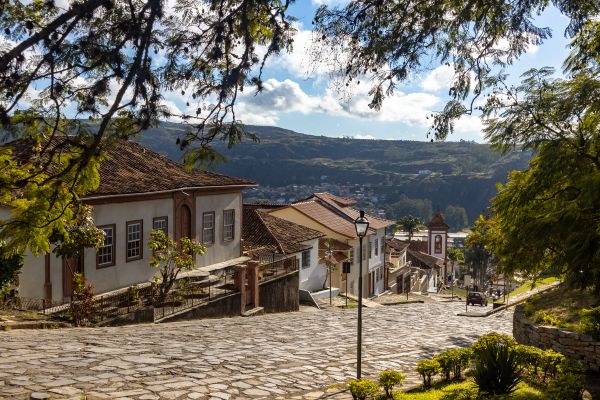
pixel 386 40
pixel 99 70
pixel 549 215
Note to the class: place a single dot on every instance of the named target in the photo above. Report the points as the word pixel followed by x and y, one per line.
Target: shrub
pixel 567 386
pixel 493 338
pixel 446 364
pixel 497 369
pixel 453 361
pixel 462 360
pixel 530 357
pixel 550 361
pixel 81 308
pixel 10 267
pixel 390 378
pixel 427 369
pixel 590 321
pixel 362 389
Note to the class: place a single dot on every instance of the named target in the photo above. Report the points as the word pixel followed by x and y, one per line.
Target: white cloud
pixel 469 124
pixel 438 78
pixel 287 96
pixel 359 136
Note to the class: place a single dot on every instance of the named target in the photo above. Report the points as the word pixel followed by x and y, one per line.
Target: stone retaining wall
pixel 576 346
pixel 280 294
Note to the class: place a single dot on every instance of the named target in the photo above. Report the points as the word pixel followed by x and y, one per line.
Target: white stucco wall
pixel 124 273
pixel 312 278
pixel 220 250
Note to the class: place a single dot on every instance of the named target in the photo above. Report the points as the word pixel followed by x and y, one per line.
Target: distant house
pixel 141 190
pixel 425 258
pixel 267 238
pixel 396 265
pixel 334 216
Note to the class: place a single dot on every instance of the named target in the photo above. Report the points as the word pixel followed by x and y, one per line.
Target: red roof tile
pixel 262 231
pixel 130 168
pixel 437 221
pixel 329 211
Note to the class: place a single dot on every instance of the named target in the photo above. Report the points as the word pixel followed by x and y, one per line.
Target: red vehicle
pixel 477 298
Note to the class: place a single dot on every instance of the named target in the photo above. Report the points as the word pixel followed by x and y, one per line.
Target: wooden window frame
pixel 308 260
pixel 226 240
pixel 113 246
pixel 166 223
pixel 213 227
pixel 141 255
pixel 376 247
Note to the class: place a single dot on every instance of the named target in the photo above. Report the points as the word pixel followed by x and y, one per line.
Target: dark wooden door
pixel 71 266
pixel 185 219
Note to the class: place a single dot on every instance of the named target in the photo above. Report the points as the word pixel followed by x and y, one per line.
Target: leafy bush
pixel 453 362
pixel 530 357
pixel 497 369
pixel 550 362
pixel 590 321
pixel 544 318
pixel 362 389
pixel 10 267
pixel 567 386
pixel 493 338
pixel 427 369
pixel 81 308
pixel 390 378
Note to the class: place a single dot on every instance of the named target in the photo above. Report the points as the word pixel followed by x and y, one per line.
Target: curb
pixel 502 308
pixel 34 325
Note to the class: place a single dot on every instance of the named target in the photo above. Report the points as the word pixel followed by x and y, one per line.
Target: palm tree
pixel 456 257
pixel 410 225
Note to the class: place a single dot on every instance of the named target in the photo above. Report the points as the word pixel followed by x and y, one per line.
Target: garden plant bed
pixel 454 390
pixel 561 307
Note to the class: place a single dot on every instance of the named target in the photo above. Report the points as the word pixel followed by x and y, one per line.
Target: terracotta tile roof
pixel 336 244
pixel 424 260
pixel 437 221
pixel 130 168
pixel 264 232
pixel 326 217
pixel 396 244
pixel 341 201
pixel 335 213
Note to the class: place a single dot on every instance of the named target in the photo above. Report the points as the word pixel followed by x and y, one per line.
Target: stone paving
pixel 282 356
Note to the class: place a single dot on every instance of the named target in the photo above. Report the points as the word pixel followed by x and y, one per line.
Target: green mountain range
pixel 407 177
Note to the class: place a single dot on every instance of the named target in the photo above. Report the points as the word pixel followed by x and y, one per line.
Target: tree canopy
pixel 96 70
pixel 548 216
pixel 384 41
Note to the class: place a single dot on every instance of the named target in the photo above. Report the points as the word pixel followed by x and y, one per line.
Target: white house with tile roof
pixel 141 190
pixel 334 216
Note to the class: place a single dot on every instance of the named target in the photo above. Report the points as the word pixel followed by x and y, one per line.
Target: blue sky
pixel 297 100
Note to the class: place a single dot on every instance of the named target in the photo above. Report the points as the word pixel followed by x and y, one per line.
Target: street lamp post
pixel 362 225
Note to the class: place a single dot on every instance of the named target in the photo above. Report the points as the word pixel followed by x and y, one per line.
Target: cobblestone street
pixel 293 355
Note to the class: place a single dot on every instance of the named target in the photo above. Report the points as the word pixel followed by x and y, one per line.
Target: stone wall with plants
pixel 577 346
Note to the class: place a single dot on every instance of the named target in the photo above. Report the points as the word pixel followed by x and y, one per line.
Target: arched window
pixel 438 243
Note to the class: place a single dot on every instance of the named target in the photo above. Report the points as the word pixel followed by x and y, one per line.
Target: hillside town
pixel 304 200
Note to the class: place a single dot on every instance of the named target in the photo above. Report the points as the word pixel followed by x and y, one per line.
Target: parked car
pixel 477 298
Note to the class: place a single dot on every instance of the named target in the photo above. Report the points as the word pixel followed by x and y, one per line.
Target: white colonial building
pixel 141 190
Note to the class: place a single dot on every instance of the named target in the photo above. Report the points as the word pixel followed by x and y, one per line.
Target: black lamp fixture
pixel 362 225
